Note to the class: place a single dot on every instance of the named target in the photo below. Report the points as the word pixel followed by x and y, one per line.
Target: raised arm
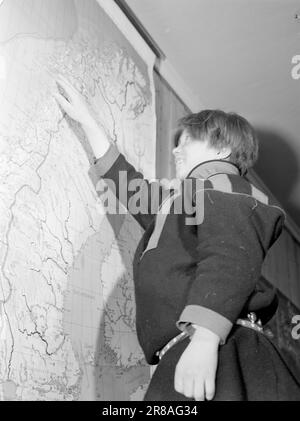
pixel 141 198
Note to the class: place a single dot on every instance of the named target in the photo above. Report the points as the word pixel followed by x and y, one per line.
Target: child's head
pixel 223 136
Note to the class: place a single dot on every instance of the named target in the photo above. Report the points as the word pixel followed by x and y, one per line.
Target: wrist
pixel 205 335
pixel 97 138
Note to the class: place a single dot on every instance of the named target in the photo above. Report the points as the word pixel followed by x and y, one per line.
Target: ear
pixel 224 153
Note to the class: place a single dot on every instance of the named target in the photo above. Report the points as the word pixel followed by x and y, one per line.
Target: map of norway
pixel 67 311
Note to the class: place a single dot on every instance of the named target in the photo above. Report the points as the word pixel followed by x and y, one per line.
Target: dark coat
pixel 202 267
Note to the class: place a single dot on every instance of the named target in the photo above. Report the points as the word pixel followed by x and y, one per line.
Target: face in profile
pixel 191 152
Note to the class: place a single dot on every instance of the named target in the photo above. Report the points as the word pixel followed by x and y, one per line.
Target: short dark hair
pixel 223 130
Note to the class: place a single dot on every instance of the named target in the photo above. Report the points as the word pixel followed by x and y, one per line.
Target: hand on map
pixel 74 104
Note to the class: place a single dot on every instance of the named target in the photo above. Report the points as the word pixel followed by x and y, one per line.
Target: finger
pixel 178 382
pixel 66 90
pixel 66 84
pixel 209 389
pixel 188 386
pixel 63 80
pixel 65 105
pixel 199 389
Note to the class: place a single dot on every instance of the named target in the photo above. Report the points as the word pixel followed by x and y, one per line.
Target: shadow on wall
pixel 278 168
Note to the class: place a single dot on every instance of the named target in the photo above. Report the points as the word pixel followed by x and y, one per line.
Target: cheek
pixel 195 152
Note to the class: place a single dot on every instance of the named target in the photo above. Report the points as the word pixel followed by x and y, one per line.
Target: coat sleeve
pixel 229 259
pixel 141 198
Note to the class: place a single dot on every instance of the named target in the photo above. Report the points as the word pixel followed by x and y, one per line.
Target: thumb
pixel 64 104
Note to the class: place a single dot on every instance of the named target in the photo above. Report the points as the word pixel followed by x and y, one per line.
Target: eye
pixel 182 141
pixel 187 139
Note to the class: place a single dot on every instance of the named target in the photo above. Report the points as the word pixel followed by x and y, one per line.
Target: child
pixel 197 279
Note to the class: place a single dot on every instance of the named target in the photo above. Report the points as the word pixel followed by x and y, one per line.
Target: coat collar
pixel 216 166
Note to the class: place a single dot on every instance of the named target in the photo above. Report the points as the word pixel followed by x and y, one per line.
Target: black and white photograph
pixel 149 204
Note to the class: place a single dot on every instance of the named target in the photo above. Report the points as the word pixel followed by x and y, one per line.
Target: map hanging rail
pixel 140 28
